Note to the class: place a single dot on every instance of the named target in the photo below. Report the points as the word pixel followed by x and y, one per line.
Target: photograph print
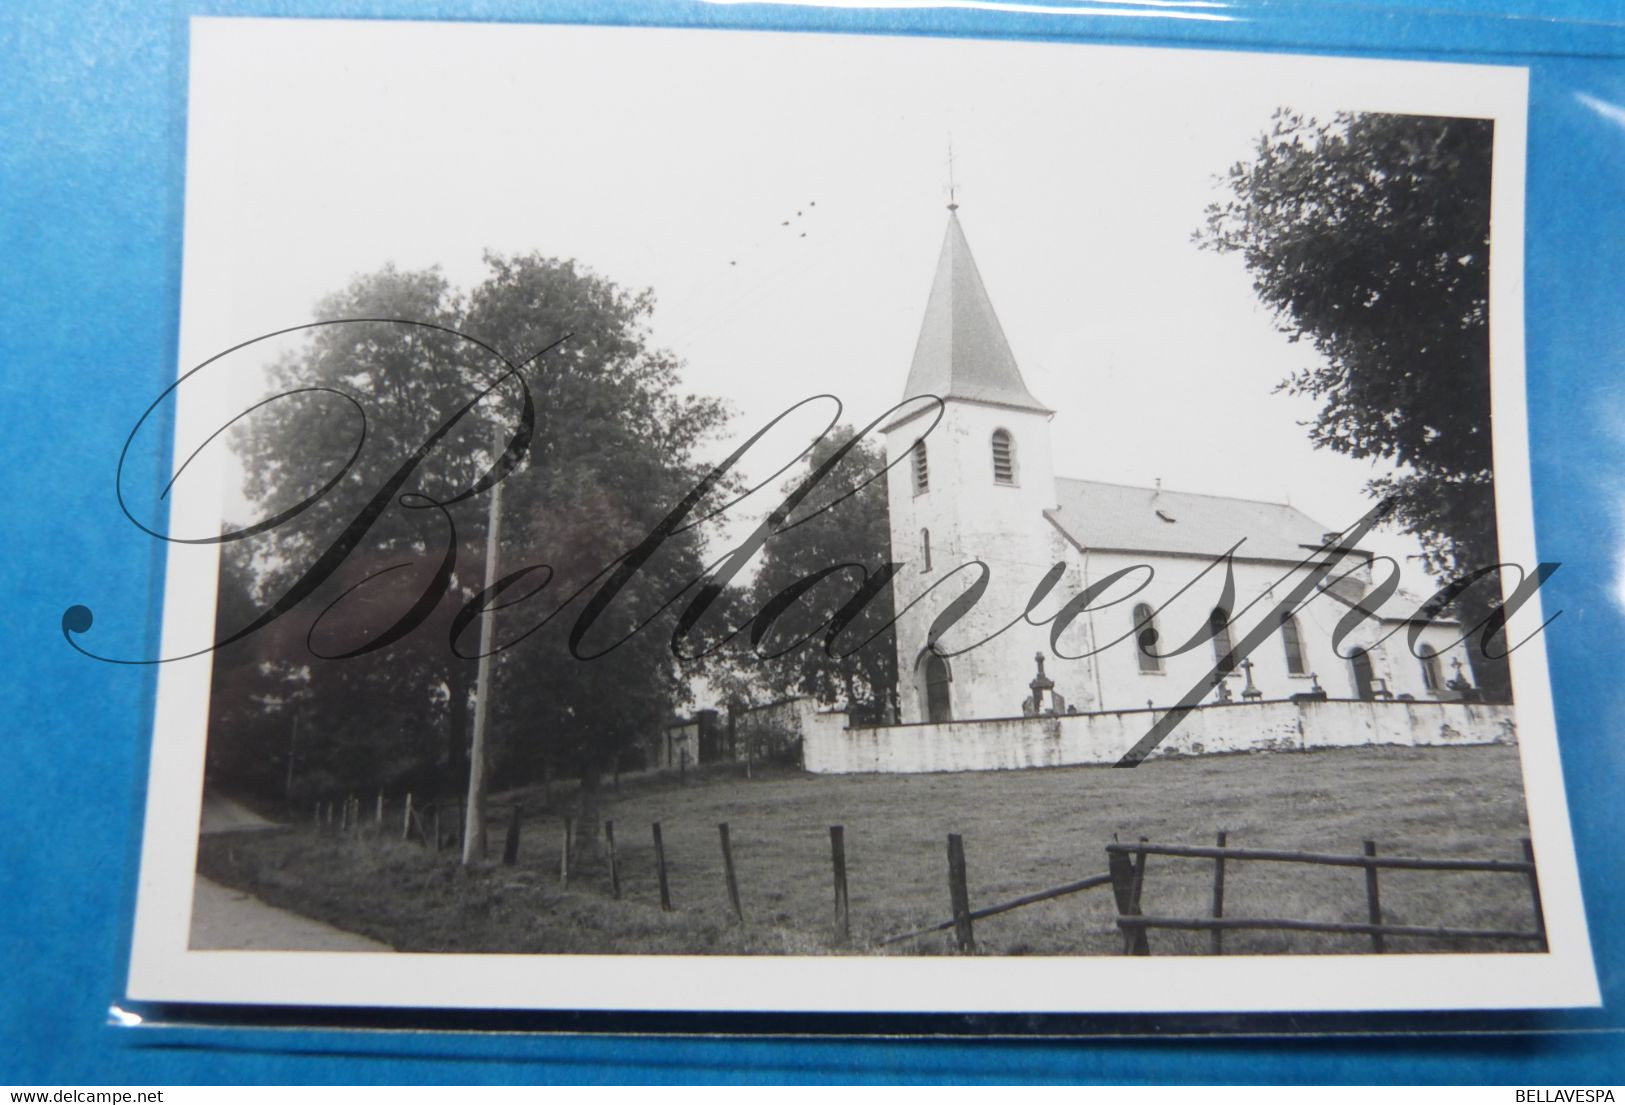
pixel 818 505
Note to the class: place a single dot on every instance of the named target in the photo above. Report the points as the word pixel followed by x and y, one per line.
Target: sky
pixel 673 160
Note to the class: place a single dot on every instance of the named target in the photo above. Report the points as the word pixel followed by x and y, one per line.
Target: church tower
pixel 974 487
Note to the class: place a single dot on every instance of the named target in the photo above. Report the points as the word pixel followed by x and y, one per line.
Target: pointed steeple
pixel 962 352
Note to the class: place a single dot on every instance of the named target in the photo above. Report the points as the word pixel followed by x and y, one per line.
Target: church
pixel 978 484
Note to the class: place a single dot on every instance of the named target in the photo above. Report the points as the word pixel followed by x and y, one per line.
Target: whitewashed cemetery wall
pixel 1103 738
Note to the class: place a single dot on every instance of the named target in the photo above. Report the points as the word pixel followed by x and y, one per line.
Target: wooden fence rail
pixel 1406 863
pixel 964 917
pixel 1227 923
pixel 1005 907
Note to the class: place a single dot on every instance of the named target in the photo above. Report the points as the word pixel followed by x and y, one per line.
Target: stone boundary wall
pixel 1103 738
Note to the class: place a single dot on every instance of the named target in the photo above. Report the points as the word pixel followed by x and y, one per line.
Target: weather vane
pixel 953 199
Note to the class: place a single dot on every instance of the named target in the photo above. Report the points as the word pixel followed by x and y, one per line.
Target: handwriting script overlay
pixel 702 591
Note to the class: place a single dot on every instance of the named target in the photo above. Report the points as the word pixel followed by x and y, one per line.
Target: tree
pixel 1369 237
pixel 839 548
pixel 612 451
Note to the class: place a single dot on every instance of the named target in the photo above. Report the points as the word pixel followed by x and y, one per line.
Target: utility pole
pixel 293 742
pixel 474 820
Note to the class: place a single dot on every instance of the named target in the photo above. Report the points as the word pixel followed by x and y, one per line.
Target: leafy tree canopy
pixel 1369 236
pixel 613 450
pixel 839 538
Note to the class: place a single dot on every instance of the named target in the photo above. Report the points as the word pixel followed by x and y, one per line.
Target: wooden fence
pixel 1127 869
pixel 439 825
pixel 964 918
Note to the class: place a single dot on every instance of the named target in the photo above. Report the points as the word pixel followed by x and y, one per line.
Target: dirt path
pixel 232 920
pixel 225 919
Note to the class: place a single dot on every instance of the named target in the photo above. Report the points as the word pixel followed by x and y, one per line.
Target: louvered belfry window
pixel 922 472
pixel 1004 457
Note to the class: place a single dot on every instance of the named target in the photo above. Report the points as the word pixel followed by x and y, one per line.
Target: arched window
pixel 1365 679
pixel 1145 638
pixel 1219 621
pixel 925 550
pixel 1293 643
pixel 1431 677
pixel 922 472
pixel 1004 457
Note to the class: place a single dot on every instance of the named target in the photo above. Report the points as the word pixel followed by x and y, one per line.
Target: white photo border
pixel 164 969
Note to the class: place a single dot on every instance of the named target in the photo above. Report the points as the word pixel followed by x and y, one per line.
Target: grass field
pixel 1023 831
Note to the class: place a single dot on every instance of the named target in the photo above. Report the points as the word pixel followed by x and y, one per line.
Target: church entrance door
pixel 937 677
pixel 1363 685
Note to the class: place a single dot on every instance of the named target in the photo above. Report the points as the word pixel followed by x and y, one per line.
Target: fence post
pixel 406 819
pixel 510 846
pixel 1142 945
pixel 682 765
pixel 1534 892
pixel 660 866
pixel 1218 896
pixel 1127 879
pixel 614 863
pixel 564 851
pixel 1373 903
pixel 837 850
pixel 1121 870
pixel 379 818
pixel 959 893
pixel 728 872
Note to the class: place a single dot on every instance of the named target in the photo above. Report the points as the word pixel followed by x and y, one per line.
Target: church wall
pixel 970 517
pixel 1124 685
pixel 1013 743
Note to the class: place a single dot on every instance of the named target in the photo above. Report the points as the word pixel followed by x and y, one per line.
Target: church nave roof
pixel 1114 516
